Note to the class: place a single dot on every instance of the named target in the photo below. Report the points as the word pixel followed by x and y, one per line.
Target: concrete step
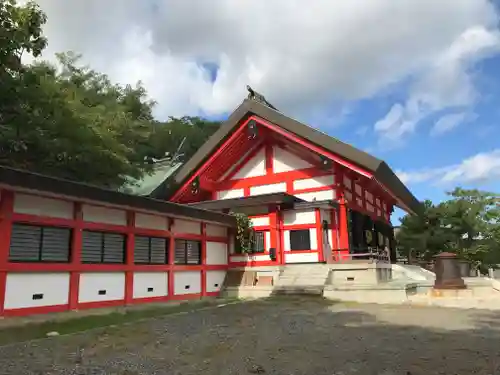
pixel 302 290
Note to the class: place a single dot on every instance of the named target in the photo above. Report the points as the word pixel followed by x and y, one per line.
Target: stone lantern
pixel 447 269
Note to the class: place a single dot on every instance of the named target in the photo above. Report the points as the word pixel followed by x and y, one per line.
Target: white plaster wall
pixel 151 221
pixel 299 217
pixel 369 196
pixel 268 240
pixel 145 280
pixel 215 279
pixel 21 287
pixel 317 196
pixel 185 226
pixel 326 215
pixel 106 215
pixel 316 182
pixel 369 207
pixel 301 257
pixel 249 258
pixel 260 221
pixel 92 282
pixel 313 236
pixel 330 238
pixel 216 230
pixel 237 164
pixel 228 194
pixel 41 206
pixel 284 161
pixel 231 245
pixel 268 189
pixel 357 189
pixel 347 182
pixel 187 282
pixel 216 253
pixel 256 166
pixel 348 195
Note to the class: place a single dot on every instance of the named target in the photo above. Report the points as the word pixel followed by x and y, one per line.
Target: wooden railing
pixel 360 254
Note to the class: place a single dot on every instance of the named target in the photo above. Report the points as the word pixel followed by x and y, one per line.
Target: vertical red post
pixel 342 226
pixel 76 256
pixel 171 259
pixel 319 235
pixel 6 209
pixel 203 259
pixel 129 259
pixel 343 229
pixel 269 158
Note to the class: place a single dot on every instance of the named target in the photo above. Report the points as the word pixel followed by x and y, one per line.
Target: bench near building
pixel 311 198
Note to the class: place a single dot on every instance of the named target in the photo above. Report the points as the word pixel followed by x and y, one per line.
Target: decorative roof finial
pixel 254 95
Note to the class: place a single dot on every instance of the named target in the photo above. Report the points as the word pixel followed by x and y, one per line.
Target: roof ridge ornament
pixel 259 98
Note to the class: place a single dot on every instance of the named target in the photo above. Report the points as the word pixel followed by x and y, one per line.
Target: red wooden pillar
pixel 171 259
pixel 319 235
pixel 343 229
pixel 76 256
pixel 129 259
pixel 203 259
pixel 6 209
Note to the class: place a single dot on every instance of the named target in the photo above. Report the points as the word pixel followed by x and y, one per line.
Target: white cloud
pixel 447 123
pixel 301 57
pixel 445 83
pixel 480 168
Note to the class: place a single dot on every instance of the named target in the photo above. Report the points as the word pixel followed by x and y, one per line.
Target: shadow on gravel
pixel 280 335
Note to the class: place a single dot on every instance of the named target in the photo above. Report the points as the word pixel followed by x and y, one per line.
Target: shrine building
pixel 311 199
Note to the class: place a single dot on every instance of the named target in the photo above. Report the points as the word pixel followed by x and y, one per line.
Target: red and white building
pixel 311 198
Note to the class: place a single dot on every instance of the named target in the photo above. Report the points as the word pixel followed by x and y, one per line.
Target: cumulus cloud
pixel 302 58
pixel 447 123
pixel 480 168
pixel 446 82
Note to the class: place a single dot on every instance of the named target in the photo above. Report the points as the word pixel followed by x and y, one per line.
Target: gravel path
pixel 285 336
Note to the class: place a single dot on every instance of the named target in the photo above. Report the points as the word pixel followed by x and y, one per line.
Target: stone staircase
pixel 302 279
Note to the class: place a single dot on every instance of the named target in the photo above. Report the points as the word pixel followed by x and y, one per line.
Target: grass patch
pixel 36 330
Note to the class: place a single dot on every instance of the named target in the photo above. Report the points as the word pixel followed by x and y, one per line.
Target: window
pixel 258 243
pixel 32 243
pixel 187 252
pixel 150 250
pixel 102 247
pixel 300 239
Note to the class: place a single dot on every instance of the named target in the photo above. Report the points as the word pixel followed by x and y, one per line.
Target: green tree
pixel 423 236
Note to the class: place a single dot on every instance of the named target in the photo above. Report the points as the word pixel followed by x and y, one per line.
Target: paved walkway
pixel 282 336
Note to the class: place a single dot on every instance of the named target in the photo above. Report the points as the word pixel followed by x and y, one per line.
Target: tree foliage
pixel 468 224
pixel 70 121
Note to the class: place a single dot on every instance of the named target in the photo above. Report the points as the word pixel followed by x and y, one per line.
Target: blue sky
pixel 415 82
pixel 479 132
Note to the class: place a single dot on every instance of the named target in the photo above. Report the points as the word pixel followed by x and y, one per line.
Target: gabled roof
pixel 380 170
pixel 149 183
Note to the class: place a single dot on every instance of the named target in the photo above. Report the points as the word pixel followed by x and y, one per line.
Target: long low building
pixel 68 246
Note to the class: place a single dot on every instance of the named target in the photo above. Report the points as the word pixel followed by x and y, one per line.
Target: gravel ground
pixel 279 336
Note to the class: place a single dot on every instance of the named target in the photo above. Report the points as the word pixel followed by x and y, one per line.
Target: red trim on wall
pixel 274 233
pixel 207 163
pixel 6 208
pixel 76 252
pixel 129 258
pixel 244 161
pixel 171 257
pixel 35 310
pixel 299 174
pixel 269 159
pixel 203 259
pixel 310 146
